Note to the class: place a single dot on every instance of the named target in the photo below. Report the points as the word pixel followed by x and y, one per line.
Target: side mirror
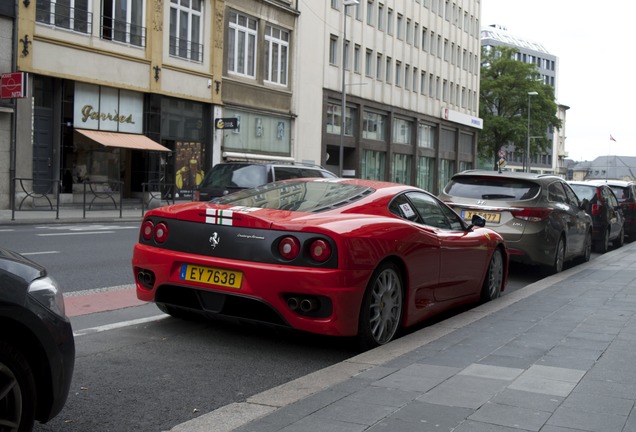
pixel 477 221
pixel 585 205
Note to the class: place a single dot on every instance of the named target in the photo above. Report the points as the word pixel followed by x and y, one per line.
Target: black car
pixel 37 349
pixel 625 192
pixel 607 217
pixel 229 177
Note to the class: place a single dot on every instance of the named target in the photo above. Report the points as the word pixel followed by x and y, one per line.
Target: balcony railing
pixel 123 31
pixel 63 16
pixel 186 49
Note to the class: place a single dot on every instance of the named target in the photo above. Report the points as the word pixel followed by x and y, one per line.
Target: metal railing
pixel 186 49
pixel 157 191
pixel 122 31
pixel 103 193
pixel 35 198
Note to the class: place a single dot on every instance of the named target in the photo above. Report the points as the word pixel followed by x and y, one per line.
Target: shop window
pixel 401 131
pixel 334 119
pixel 425 166
pixel 373 126
pixel 186 29
pixel 373 165
pixel 401 168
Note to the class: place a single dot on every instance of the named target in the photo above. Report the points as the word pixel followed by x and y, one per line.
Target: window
pixel 399 28
pixel 389 21
pixel 433 214
pixel 346 54
pixel 424 45
pixel 122 20
pixel 367 62
pixel 334 119
pixel 378 67
pixel 425 169
pixel 446 171
pixel 276 55
pixel 186 29
pixel 433 49
pixel 373 126
pixel 416 36
pixel 398 73
pixel 370 12
pixel 242 45
pixel 407 82
pixel 356 58
pixel 373 165
pixel 387 69
pixel 425 136
pixel 409 31
pixel 422 82
pixel 334 4
pixel 402 131
pixel 68 14
pixel 414 79
pixel 333 50
pixel 401 168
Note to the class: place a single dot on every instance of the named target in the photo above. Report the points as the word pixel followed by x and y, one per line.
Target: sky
pixel 594 43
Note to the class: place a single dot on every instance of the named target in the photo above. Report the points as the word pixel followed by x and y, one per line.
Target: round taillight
pixel 289 247
pixel 161 232
pixel 147 229
pixel 320 250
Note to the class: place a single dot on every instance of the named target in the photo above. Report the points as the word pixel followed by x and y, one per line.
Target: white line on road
pixel 76 233
pixel 39 253
pixel 7 230
pixel 119 325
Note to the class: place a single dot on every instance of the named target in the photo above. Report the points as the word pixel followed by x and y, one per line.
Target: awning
pixel 121 140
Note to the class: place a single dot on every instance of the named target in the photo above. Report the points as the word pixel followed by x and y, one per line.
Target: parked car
pixel 626 195
pixel 340 257
pixel 37 349
pixel 607 217
pixel 539 216
pixel 230 177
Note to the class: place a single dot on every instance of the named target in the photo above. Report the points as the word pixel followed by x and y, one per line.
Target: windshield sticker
pixel 242 209
pixel 407 210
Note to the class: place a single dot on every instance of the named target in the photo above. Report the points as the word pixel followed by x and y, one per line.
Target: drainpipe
pixel 12 145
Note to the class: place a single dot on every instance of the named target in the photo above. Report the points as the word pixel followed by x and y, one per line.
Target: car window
pixel 492 188
pixel 584 192
pixel 572 197
pixel 401 207
pixel 556 193
pixel 611 198
pixel 430 211
pixel 621 193
pixel 235 176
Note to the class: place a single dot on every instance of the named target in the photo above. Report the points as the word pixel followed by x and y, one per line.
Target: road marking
pixel 7 230
pixel 118 325
pixel 76 233
pixel 39 253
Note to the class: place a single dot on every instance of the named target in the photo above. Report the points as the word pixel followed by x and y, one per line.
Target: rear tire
pixel 587 249
pixel 559 258
pixel 382 306
pixel 17 390
pixel 620 240
pixel 491 288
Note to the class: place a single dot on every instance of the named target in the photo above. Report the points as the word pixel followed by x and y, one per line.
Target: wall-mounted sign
pixel 107 109
pixel 226 123
pixel 14 85
pixel 465 119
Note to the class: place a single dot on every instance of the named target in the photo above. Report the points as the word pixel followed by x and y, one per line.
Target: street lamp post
pixel 343 109
pixel 530 94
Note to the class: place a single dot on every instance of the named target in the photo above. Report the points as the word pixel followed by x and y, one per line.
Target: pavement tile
pixel 318 424
pixel 351 411
pixel 548 380
pixel 389 397
pixel 474 426
pixel 514 417
pixel 464 391
pixel 493 372
pixel 587 420
pixel 620 390
pixel 598 403
pixel 529 400
pixel 507 361
pixel 567 362
pixel 423 417
pixel 417 377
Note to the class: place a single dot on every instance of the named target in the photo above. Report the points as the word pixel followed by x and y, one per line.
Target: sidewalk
pixel 556 356
pixel 70 215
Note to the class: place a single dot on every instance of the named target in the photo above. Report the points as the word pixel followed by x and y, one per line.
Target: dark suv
pixel 37 349
pixel 539 216
pixel 229 177
pixel 625 192
pixel 607 217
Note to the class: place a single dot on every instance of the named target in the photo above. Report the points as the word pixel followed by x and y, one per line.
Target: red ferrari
pixel 338 257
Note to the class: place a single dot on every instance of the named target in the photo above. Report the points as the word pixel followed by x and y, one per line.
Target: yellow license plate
pixel 489 216
pixel 211 276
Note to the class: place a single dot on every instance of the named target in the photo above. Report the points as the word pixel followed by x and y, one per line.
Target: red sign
pixel 14 85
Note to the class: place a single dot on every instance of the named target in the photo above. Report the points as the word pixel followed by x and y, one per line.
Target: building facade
pixel 547 65
pixel 128 93
pixel 408 73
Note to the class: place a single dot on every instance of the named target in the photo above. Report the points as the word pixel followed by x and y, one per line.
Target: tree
pixel 503 104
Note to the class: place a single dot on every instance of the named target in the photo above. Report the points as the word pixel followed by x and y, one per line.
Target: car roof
pixel 507 174
pixel 621 183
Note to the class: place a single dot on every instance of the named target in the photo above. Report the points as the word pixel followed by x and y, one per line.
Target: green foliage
pixel 503 105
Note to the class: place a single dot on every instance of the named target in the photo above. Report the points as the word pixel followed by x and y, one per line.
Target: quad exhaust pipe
pixel 146 278
pixel 303 305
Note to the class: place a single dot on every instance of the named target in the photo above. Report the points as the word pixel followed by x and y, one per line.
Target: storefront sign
pixel 107 109
pixel 465 119
pixel 14 85
pixel 226 123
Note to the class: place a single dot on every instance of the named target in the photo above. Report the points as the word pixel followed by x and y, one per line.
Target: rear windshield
pixel 235 176
pixel 584 192
pixel 492 188
pixel 622 193
pixel 302 196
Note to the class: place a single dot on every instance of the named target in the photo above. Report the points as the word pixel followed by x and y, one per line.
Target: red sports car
pixel 339 257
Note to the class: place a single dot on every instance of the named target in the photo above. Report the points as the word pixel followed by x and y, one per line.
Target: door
pixel 43 174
